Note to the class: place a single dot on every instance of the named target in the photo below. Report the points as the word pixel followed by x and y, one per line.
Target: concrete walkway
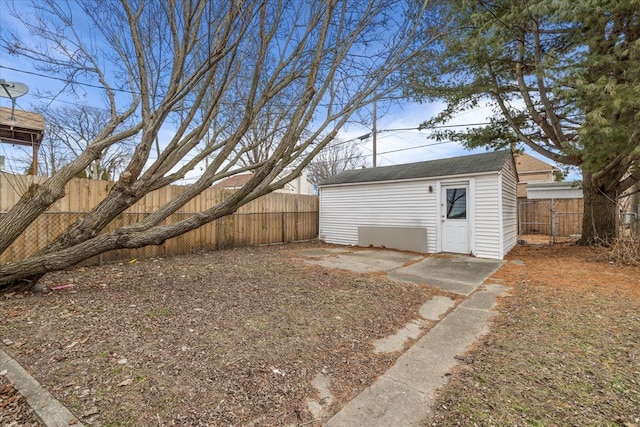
pixel 459 274
pixel 404 395
pixel 456 273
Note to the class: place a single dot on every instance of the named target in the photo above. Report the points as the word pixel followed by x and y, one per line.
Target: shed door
pixel 455 219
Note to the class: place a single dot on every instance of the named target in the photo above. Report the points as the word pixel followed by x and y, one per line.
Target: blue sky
pixel 394 146
pixel 413 145
pixel 398 144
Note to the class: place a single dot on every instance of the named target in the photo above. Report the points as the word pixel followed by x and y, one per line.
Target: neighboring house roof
pixel 234 182
pixel 526 163
pixel 530 170
pixel 554 190
pixel 464 165
pixel 26 129
pixel 296 186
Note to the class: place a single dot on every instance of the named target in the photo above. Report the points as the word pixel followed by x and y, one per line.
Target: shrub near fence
pixel 273 218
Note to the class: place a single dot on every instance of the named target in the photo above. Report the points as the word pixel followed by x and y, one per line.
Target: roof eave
pixel 427 178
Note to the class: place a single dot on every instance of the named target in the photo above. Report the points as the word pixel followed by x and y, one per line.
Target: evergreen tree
pixel 564 78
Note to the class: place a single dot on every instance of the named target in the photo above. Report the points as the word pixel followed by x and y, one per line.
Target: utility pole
pixel 375 132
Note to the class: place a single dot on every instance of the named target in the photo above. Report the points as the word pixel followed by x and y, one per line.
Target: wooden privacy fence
pixel 551 217
pixel 273 218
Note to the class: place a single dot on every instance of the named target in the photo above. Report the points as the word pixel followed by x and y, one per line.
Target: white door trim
pixel 440 186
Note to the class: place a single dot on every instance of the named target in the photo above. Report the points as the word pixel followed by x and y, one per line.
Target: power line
pixel 373 154
pixel 361 137
pixel 33 73
pixel 418 146
pixel 421 128
pixel 189 179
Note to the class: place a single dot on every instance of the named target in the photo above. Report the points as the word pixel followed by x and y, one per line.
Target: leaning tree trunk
pixel 599 220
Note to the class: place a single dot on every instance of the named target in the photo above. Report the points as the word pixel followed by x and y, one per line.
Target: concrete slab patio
pixel 363 261
pixel 452 273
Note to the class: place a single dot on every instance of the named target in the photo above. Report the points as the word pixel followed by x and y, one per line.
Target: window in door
pixel 456 203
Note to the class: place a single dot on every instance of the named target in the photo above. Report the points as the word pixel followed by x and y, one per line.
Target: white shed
pixel 461 205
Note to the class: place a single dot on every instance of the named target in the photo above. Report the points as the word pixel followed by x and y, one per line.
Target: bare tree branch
pixel 251 85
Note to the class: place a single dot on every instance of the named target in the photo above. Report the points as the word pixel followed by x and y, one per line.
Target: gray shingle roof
pixel 464 165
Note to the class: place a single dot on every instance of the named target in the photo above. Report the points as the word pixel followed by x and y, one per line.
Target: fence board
pixel 557 217
pixel 273 218
pixel 81 195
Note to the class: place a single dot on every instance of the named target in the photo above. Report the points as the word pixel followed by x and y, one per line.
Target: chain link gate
pixel 558 219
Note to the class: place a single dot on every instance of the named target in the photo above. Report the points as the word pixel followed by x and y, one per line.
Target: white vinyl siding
pixel 487 217
pixel 509 208
pixel 391 204
pixel 491 209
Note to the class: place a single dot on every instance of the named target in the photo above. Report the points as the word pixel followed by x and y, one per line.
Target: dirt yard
pixel 236 338
pixel 226 338
pixel 14 410
pixel 565 350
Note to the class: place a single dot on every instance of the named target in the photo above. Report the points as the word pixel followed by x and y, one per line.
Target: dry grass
pixel 565 350
pixel 625 250
pixel 225 338
pixel 14 410
pixel 202 336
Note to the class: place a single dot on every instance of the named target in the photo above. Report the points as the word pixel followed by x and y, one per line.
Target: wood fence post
pixel 554 222
pixel 218 231
pixel 283 228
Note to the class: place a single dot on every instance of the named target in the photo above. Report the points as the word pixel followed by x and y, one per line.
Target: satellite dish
pixel 12 90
